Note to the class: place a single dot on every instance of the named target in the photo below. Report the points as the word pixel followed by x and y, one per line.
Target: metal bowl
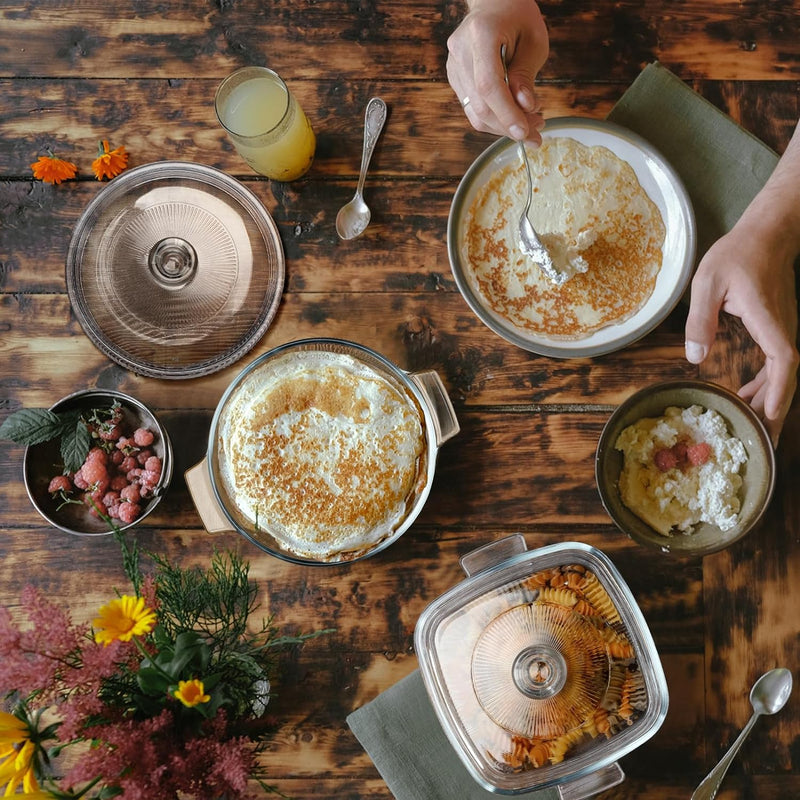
pixel 43 461
pixel 758 473
pixel 662 185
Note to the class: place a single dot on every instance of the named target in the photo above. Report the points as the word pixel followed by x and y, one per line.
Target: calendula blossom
pixel 191 693
pixel 52 169
pixel 122 619
pixel 109 163
pixel 16 756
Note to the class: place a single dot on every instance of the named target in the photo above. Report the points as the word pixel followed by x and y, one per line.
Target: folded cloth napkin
pixel 722 165
pixel 400 731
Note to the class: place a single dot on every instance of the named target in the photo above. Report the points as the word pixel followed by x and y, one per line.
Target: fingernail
pixel 517 133
pixel 695 352
pixel 525 98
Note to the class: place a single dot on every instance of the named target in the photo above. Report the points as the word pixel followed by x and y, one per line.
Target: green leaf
pixel 31 426
pixel 75 443
pixel 152 681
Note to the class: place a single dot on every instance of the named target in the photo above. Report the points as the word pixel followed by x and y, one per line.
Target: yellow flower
pixel 109 163
pixel 51 169
pixel 191 693
pixel 16 755
pixel 12 729
pixel 122 619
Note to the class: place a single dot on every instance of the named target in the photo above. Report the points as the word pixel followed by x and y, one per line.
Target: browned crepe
pixel 592 213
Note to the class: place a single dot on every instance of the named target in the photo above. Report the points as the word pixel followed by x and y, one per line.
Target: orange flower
pixel 51 169
pixel 191 693
pixel 109 163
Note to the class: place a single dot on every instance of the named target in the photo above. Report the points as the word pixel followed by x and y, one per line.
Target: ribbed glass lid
pixel 175 270
pixel 541 668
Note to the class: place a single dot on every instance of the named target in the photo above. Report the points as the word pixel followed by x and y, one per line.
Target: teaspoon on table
pixel 768 696
pixel 353 217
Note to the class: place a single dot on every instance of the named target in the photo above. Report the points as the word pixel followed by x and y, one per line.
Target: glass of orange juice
pixel 265 123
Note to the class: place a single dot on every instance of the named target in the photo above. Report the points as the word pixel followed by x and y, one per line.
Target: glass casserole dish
pixel 541 669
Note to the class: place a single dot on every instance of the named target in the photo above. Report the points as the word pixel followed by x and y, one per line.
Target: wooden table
pixel 143 74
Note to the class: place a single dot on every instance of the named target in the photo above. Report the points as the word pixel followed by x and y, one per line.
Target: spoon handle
pixel 374 119
pixel 708 788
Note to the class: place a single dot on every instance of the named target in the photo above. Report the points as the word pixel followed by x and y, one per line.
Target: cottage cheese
pixel 679 497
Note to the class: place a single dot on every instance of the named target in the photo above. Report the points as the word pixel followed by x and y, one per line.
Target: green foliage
pixel 31 426
pixel 203 632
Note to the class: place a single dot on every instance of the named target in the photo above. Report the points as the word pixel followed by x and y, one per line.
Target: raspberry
pixel 679 451
pixel 129 512
pixel 128 463
pixel 133 475
pixel 143 456
pixel 130 493
pixel 153 464
pixel 116 457
pixel 699 453
pixel 150 478
pixel 118 483
pixel 665 459
pixel 143 437
pixel 61 483
pixel 79 481
pixel 97 454
pixel 94 472
pixel 111 499
pixel 113 511
pixel 110 432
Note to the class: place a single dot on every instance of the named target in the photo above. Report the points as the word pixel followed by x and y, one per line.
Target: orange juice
pixel 266 123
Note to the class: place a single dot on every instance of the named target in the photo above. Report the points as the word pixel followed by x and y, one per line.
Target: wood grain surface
pixel 143 74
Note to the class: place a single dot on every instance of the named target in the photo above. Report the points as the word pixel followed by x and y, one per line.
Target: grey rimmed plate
pixel 664 188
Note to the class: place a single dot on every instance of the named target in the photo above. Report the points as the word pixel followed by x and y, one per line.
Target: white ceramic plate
pixel 664 188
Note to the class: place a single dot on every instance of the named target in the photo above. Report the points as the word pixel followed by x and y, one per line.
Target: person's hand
pixel 750 275
pixel 475 69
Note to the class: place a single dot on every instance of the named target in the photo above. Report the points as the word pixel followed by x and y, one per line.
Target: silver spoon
pixel 353 217
pixel 768 696
pixel 529 241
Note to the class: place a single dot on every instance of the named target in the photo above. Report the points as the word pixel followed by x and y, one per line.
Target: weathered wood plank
pixel 426 133
pixel 717 39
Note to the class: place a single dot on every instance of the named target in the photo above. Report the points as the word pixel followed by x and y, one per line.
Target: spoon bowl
pixel 768 696
pixel 353 217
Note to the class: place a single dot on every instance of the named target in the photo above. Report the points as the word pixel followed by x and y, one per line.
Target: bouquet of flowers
pixel 162 696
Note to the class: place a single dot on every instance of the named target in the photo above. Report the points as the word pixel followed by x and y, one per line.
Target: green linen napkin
pixel 400 731
pixel 722 165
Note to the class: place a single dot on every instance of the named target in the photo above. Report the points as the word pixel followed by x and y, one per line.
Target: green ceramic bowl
pixel 758 473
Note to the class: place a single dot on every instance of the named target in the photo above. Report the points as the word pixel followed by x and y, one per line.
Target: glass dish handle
pixel 593 783
pixel 444 416
pixel 493 553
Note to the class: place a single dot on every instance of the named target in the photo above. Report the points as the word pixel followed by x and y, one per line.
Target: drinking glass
pixel 265 123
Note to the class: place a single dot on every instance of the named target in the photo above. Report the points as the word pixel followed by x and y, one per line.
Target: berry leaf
pixel 75 443
pixel 31 426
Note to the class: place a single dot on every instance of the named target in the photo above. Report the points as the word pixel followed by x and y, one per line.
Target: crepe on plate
pixel 596 220
pixel 323 453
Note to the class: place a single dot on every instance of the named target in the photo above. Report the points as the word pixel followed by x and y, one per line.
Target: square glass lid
pixel 541 668
pixel 175 270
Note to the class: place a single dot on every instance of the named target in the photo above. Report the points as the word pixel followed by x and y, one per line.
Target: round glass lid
pixel 175 270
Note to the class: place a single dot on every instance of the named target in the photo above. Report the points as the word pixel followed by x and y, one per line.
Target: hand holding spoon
pixel 768 696
pixel 353 217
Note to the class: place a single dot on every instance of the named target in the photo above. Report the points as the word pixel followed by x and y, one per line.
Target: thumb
pixel 701 323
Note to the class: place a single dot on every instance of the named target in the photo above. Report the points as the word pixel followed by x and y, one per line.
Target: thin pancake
pixel 323 453
pixel 592 214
